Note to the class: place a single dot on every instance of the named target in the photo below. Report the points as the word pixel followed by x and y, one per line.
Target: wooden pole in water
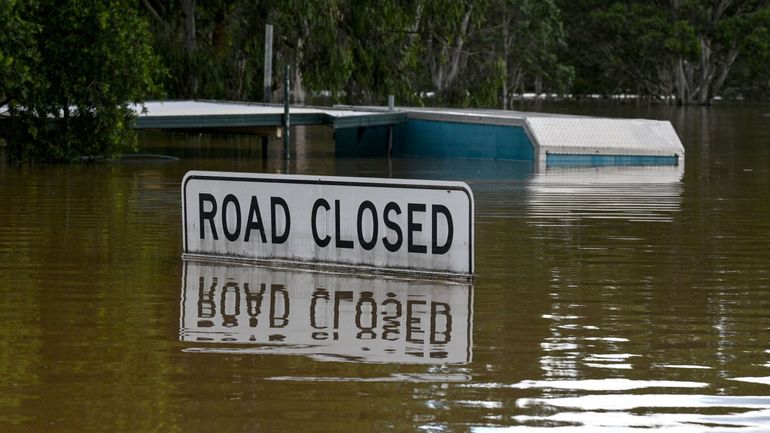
pixel 268 80
pixel 286 121
pixel 265 141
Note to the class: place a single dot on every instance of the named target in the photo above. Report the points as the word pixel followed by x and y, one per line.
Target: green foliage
pixel 360 51
pixel 69 69
pixel 17 53
pixel 84 63
pixel 537 36
pixel 376 47
pixel 752 71
pixel 680 50
pixel 635 41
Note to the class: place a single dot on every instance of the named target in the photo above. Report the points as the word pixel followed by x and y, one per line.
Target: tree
pixel 311 44
pixel 673 50
pixel 751 73
pixel 447 28
pixel 725 29
pixel 209 48
pixel 641 45
pixel 17 52
pixel 530 34
pixel 86 63
pixel 382 48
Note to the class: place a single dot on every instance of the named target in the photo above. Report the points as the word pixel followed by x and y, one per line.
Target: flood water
pixel 605 299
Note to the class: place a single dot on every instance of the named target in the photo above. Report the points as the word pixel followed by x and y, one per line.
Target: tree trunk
pixel 413 35
pixel 505 89
pixel 436 68
pixel 299 91
pixel 506 47
pixel 299 57
pixel 154 13
pixel 720 81
pixel 190 45
pixel 240 73
pixel 705 72
pixel 444 73
pixel 682 86
pixel 64 133
pixel 457 50
pixel 516 81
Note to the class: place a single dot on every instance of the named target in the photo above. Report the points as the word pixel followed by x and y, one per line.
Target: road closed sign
pixel 379 225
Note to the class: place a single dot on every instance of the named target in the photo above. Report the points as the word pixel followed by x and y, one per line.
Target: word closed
pixel 387 224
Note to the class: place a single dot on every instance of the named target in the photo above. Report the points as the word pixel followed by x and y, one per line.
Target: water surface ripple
pixel 607 299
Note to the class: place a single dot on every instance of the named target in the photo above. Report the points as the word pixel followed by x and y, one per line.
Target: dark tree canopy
pixel 72 80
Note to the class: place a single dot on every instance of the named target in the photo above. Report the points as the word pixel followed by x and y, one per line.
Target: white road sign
pixel 382 225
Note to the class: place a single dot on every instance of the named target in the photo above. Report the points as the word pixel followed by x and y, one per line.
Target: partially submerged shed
pixel 545 139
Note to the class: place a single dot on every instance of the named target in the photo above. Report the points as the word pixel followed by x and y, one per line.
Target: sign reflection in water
pixel 327 316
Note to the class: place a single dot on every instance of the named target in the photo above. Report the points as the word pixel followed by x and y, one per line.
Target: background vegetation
pixel 478 53
pixel 81 63
pixel 69 71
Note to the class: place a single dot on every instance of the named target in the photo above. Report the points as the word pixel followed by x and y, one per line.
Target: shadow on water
pixel 143 158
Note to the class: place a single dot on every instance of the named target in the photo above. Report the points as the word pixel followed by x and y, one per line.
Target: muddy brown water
pixel 606 299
